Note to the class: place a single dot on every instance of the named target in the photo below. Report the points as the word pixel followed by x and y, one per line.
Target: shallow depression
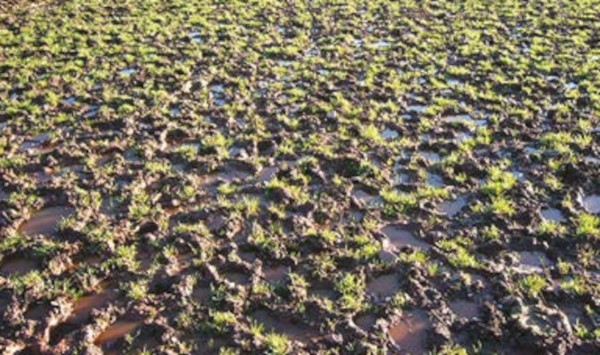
pixel 384 286
pixel 274 323
pixel 464 309
pixel 553 214
pixel 18 266
pixel 115 332
pixel 453 207
pixel 400 236
pixel 530 262
pixel 410 332
pixel 45 221
pixel 591 204
pixel 85 304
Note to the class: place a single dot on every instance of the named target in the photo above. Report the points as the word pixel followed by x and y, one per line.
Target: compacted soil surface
pixel 302 177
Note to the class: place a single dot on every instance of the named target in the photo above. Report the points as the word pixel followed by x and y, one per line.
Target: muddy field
pixel 302 177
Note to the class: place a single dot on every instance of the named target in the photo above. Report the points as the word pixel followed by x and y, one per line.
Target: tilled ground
pixel 323 177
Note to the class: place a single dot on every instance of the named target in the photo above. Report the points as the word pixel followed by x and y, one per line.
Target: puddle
pixel 451 208
pixel 61 331
pixel 570 86
pixel 366 321
pixel 237 278
pixel 267 174
pixel 195 37
pixel 92 112
pixel 71 100
pixel 275 274
pixel 132 155
pixel 384 286
pixel 202 294
pixel 38 312
pixel 115 332
pixel 519 175
pixel 402 178
pixel 553 214
pixel 458 119
pixel 5 300
pixel 236 151
pixel 110 206
pixel 273 323
pixel 530 262
pixel 430 156
pixel 247 256
pixel 35 142
pixel 531 150
pixel 127 71
pixel 465 309
pixel 467 120
pixel 218 93
pixel 416 108
pixel 285 63
pixel 175 112
pixel 323 290
pixel 145 257
pixel 354 215
pixel 18 266
pixel 365 197
pixel 43 176
pixel 208 345
pixel 85 304
pixel 233 171
pixel 410 332
pixel 388 134
pixel 435 180
pixel 45 221
pixel 215 222
pixel 401 237
pixel 591 204
pixel 382 44
pixel 92 260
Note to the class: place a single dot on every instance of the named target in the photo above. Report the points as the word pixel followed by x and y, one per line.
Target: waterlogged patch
pixel 453 207
pixel 366 321
pixel 275 273
pixel 591 203
pixel 530 262
pixel 384 286
pixel 401 236
pixel 45 221
pixel 465 309
pixel 553 214
pixel 116 332
pixel 410 332
pixel 85 304
pixel 283 325
pixel 18 265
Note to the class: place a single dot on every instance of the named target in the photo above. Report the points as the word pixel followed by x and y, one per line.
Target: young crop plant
pixel 187 152
pixel 588 225
pixel 459 255
pixel 221 321
pixel 275 344
pixel 498 182
pixel 533 285
pixel 351 289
